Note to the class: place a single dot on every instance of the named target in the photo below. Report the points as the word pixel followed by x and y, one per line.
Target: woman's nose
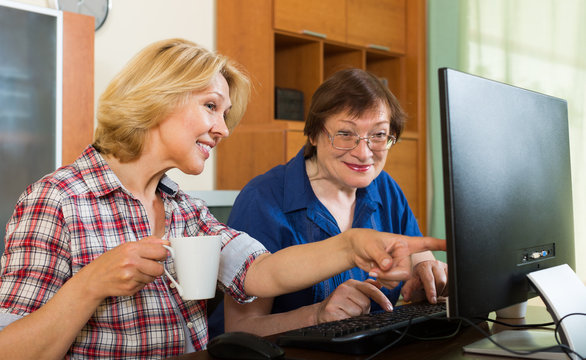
pixel 362 150
pixel 220 128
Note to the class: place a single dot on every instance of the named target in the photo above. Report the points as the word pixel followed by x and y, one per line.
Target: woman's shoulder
pixel 51 191
pixel 385 180
pixel 388 188
pixel 66 180
pixel 80 177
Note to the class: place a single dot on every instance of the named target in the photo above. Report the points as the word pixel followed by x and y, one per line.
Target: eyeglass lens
pixel 350 141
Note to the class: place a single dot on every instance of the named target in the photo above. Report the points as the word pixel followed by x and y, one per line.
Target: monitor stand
pixel 563 293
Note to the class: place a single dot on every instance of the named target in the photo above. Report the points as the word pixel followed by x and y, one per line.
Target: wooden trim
pixel 416 64
pixel 78 84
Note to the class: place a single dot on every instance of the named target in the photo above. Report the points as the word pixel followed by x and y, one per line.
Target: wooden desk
pixel 439 349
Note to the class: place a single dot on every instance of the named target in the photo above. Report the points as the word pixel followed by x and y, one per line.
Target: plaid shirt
pixel 69 218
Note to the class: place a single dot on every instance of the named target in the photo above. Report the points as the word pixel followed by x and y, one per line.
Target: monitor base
pixel 519 340
pixel 563 293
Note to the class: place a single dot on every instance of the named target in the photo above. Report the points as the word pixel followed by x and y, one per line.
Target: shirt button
pixel 172 286
pixel 190 325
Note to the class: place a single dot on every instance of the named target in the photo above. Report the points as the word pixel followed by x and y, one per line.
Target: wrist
pixel 317 311
pixel 348 246
pixel 80 285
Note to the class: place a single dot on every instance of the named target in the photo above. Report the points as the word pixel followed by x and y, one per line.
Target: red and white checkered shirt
pixel 69 218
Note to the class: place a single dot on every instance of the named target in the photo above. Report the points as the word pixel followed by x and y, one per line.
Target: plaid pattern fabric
pixel 68 219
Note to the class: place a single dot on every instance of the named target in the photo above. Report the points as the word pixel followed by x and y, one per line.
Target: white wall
pixel 131 25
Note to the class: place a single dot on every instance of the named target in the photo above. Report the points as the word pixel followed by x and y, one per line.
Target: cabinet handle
pixel 313 33
pixel 379 47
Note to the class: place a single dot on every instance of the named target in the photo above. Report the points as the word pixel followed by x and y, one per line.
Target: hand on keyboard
pixel 428 282
pixel 352 298
pixel 367 333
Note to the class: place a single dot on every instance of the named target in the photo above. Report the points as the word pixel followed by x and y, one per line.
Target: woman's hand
pixel 429 280
pixel 126 269
pixel 351 298
pixel 121 271
pixel 386 256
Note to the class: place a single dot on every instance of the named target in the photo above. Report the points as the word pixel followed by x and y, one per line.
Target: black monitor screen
pixel 508 190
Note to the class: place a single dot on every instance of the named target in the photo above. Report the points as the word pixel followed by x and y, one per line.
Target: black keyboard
pixel 368 333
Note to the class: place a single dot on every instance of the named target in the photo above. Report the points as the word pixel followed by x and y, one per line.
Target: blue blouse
pixel 280 209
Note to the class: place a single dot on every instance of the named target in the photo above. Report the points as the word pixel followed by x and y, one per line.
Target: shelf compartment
pixel 337 57
pixel 298 65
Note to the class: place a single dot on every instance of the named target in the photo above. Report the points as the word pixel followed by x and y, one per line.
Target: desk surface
pixel 438 349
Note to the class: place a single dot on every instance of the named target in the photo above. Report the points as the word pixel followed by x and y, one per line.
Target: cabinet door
pixel 402 166
pixel 246 153
pixel 377 24
pixel 323 18
pixel 295 141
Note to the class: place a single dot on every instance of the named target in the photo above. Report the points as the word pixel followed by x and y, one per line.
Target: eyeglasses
pixel 349 141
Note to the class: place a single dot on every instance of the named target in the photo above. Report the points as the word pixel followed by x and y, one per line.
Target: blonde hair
pixel 152 85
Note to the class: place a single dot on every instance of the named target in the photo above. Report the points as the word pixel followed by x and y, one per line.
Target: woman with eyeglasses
pixel 335 183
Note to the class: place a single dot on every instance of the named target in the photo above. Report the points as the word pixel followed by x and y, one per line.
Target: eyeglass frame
pixel 391 140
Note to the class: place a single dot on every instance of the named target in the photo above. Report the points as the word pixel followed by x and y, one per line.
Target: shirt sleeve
pixel 235 260
pixel 36 261
pixel 262 219
pixel 7 319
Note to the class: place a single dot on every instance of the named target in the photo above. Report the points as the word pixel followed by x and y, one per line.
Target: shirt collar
pixel 298 193
pixel 101 180
pixel 370 194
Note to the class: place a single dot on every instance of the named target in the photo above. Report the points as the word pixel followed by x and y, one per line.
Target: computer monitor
pixel 508 190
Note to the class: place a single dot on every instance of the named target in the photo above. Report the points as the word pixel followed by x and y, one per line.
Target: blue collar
pixel 298 194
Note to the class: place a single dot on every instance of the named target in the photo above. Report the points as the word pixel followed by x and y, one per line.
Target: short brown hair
pixel 152 85
pixel 353 90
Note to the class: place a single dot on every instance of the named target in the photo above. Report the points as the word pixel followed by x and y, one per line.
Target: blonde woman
pixel 81 273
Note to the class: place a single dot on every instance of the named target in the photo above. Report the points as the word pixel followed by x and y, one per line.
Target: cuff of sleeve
pixel 236 257
pixel 6 319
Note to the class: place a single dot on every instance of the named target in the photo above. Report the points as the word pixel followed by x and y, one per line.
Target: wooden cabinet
pixel 385 37
pixel 377 24
pixel 324 18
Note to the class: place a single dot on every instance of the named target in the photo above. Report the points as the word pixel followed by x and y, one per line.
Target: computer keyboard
pixel 368 333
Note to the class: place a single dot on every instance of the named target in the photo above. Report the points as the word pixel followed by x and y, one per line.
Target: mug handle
pixel 179 288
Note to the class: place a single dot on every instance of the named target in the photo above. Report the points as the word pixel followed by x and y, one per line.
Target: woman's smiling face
pixel 358 167
pixel 189 134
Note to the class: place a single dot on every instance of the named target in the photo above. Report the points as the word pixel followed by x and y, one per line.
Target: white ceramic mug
pixel 197 260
